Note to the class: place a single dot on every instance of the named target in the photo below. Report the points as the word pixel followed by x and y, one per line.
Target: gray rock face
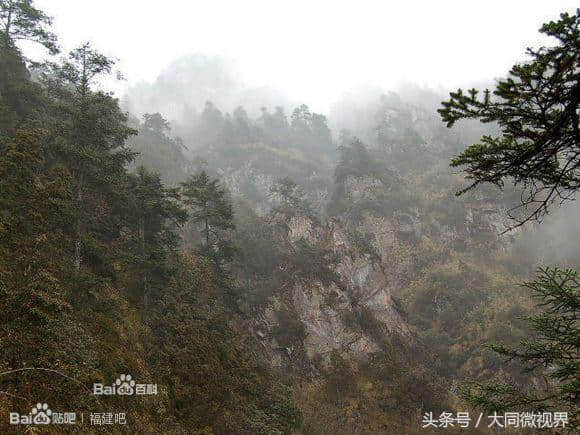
pixel 326 311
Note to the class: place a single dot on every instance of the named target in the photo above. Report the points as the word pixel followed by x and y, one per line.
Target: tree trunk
pixel 141 231
pixel 77 261
pixel 206 233
pixel 8 24
pixel 142 243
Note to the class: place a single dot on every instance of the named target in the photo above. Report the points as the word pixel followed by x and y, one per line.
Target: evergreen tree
pixel 310 129
pixel 211 124
pixel 155 213
pixel 555 348
pixel 537 111
pixel 34 193
pixel 228 135
pixel 20 20
pixel 301 117
pixel 156 123
pixel 212 210
pixel 90 133
pixel 241 124
pixel 19 97
pixel 320 130
pixel 537 108
pixel 275 126
pixel 157 151
pixel 31 218
pixel 291 199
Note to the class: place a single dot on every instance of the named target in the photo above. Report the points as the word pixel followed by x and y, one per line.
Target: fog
pixel 336 57
pixel 313 52
pixel 284 217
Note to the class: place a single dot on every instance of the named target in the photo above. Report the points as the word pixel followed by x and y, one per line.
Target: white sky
pixel 313 50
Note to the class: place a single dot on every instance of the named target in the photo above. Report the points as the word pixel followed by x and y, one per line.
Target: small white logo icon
pixel 125 385
pixel 41 414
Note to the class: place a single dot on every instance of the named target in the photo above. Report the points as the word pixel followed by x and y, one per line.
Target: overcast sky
pixel 313 50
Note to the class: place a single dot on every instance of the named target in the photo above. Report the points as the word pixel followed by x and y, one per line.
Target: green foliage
pixel 274 126
pixel 211 210
pixel 340 378
pixel 89 132
pixel 32 207
pixel 309 129
pixel 553 347
pixel 212 378
pixel 402 377
pixel 157 151
pixel 20 99
pixel 536 108
pixel 92 283
pixel 20 20
pixel 291 198
pixel 147 252
pixel 307 262
pixel 290 330
pixel 258 257
pixel 381 192
pixel 357 161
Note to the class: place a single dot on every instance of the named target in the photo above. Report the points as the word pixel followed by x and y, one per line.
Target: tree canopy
pixel 537 109
pixel 20 20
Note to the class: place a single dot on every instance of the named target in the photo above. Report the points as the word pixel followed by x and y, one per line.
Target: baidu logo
pixel 124 385
pixel 41 414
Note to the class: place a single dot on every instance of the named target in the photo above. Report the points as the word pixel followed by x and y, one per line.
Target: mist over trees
pixel 276 270
pixel 181 91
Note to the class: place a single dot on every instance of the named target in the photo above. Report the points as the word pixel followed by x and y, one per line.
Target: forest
pixel 192 256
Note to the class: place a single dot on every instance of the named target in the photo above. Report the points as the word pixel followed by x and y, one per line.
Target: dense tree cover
pixel 447 267
pixel 90 132
pixel 93 280
pixel 398 179
pixel 305 130
pixel 120 254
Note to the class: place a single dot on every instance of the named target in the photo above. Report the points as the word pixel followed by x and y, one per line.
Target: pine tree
pixel 554 348
pixel 20 20
pixel 539 148
pixel 19 97
pixel 211 124
pixel 90 134
pixel 212 210
pixel 157 151
pixel 537 109
pixel 33 197
pixel 154 213
pixel 241 125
